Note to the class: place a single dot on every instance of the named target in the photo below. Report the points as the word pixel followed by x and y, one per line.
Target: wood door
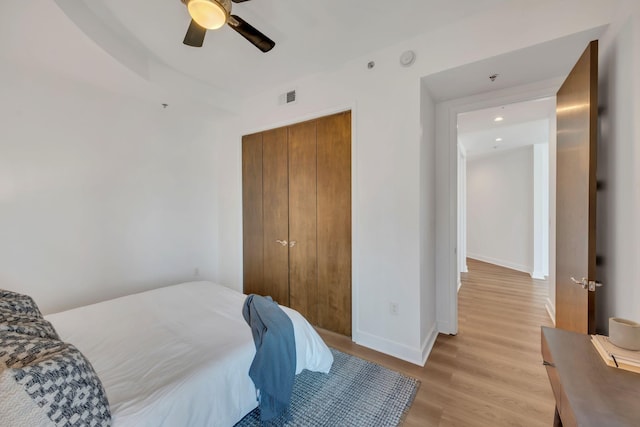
pixel 577 114
pixel 275 195
pixel 252 225
pixel 334 222
pixel 303 271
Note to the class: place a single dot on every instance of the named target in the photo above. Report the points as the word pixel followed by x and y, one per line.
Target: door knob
pixel 292 243
pixel 578 282
pixel 591 285
pixel 282 242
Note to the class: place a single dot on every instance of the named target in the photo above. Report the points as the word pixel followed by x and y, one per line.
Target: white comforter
pixel 178 356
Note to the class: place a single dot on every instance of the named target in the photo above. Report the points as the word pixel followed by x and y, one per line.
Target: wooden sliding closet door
pixel 275 194
pixel 334 222
pixel 252 235
pixel 303 272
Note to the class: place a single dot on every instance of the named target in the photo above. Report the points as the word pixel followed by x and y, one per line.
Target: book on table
pixel 615 356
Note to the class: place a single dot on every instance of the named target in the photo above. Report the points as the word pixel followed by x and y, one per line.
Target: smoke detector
pixel 407 58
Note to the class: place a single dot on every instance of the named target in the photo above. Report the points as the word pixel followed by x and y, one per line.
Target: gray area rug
pixel 354 393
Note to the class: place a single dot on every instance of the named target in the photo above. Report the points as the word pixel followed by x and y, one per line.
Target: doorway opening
pixel 504 186
pixel 531 73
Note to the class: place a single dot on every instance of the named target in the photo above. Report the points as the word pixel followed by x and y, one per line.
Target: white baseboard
pixel 392 348
pixel 428 343
pixel 551 311
pixel 538 275
pixel 444 327
pixel 501 263
pixel 459 285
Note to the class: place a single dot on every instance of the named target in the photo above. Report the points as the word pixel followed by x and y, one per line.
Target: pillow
pixel 18 304
pixel 46 382
pixel 35 327
pixel 19 313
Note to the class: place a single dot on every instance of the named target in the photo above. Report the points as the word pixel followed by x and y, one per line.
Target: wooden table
pixel 587 391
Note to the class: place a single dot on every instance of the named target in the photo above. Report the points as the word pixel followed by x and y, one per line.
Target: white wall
pixel 386 197
pixel 108 217
pixel 551 280
pixel 462 213
pixel 500 208
pixel 618 232
pixel 100 194
pixel 428 331
pixel 387 192
pixel 540 211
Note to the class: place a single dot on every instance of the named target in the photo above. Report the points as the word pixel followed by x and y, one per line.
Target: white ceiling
pixel 524 123
pixel 531 64
pixel 310 35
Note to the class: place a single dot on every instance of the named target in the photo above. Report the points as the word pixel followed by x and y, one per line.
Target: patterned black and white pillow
pixel 18 304
pixel 19 313
pixel 44 381
pixel 28 326
pixel 48 382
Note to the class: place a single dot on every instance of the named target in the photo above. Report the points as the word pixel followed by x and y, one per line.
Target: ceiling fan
pixel 213 14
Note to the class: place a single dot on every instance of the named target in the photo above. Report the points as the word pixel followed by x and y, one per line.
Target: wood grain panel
pixel 275 190
pixel 334 222
pixel 593 394
pixel 252 225
pixel 491 373
pixel 303 272
pixel 576 112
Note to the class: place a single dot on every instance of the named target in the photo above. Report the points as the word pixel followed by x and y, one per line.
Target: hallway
pixel 491 373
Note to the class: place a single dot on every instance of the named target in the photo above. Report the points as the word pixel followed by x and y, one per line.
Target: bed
pixel 178 355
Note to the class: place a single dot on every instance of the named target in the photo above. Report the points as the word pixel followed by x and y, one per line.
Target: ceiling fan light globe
pixel 208 14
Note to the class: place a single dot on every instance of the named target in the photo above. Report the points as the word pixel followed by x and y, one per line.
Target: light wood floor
pixel 491 373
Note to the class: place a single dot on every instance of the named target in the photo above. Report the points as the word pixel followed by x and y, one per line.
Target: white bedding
pixel 178 356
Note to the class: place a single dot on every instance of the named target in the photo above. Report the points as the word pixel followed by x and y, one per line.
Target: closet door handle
pixel 282 242
pixel 292 243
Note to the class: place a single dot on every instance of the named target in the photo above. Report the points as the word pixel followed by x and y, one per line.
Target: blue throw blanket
pixel 274 366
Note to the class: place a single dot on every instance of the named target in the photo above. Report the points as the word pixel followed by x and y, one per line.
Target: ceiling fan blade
pixel 195 35
pixel 250 33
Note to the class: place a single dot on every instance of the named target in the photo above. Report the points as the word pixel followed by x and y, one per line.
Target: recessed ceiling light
pixel 498 139
pixel 498 119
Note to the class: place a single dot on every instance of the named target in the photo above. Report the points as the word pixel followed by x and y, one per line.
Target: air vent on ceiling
pixel 287 98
